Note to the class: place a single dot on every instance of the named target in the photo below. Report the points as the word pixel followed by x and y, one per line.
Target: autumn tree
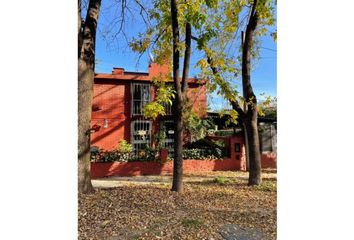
pixel 213 24
pixel 86 66
pixel 220 30
pixel 173 20
pixel 87 28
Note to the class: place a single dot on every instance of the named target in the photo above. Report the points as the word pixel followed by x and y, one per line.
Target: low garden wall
pixel 269 160
pixel 99 170
pixel 237 161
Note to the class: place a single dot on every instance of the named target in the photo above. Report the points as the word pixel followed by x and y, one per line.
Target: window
pixel 167 126
pixel 140 135
pixel 140 97
pixel 168 108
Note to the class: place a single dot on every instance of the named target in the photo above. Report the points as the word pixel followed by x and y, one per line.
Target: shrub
pixel 228 132
pixel 198 154
pixel 207 148
pixel 109 156
pixel 147 154
pixel 124 147
pixel 95 153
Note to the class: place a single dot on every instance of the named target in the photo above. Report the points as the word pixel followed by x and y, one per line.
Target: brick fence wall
pixel 237 161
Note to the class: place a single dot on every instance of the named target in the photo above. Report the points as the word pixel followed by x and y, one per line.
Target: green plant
pixel 196 127
pixel 109 156
pixel 160 138
pixel 221 180
pixel 147 154
pixel 192 222
pixel 95 153
pixel 266 186
pixel 207 147
pixel 124 147
pixel 229 132
pixel 198 154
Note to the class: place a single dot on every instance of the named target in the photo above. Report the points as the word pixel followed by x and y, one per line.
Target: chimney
pixel 118 71
pixel 155 70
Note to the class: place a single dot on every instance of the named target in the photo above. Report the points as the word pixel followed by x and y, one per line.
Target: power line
pixel 270 49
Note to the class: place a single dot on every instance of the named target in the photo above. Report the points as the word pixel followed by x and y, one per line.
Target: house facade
pixel 118 102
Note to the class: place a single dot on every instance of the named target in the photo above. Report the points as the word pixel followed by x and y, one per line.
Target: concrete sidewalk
pixel 111 182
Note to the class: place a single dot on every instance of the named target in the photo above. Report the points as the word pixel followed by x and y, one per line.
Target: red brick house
pixel 118 101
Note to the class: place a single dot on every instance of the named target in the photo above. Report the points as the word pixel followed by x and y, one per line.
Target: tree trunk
pixel 86 60
pixel 246 147
pixel 253 146
pixel 177 184
pixel 250 118
pixel 85 89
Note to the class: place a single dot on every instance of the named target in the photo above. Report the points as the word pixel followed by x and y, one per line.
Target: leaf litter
pixel 152 211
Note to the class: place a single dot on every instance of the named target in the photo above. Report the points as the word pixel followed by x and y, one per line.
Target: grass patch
pixel 267 187
pixel 221 180
pixel 192 223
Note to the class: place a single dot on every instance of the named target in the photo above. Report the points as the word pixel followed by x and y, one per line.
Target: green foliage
pixel 164 96
pixel 199 154
pixel 111 156
pixel 124 147
pixel 267 186
pixel 153 110
pixel 205 149
pixel 221 180
pixel 216 25
pixel 268 107
pixel 148 154
pixel 160 138
pixel 228 132
pixel 195 126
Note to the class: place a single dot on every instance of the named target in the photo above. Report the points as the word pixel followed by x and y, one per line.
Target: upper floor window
pixel 168 107
pixel 140 97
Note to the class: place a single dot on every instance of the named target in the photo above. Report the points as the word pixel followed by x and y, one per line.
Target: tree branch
pixel 187 55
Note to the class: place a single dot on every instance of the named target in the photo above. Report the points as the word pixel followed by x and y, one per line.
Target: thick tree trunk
pixel 86 60
pixel 181 88
pixel 85 90
pixel 250 120
pixel 177 184
pixel 253 146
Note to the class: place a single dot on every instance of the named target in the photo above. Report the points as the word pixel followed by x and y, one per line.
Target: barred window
pixel 140 97
pixel 140 135
pixel 167 126
pixel 168 108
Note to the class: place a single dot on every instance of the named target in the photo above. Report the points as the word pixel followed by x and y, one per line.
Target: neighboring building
pixel 117 109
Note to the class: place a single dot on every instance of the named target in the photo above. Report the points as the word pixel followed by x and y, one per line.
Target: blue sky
pixel 118 54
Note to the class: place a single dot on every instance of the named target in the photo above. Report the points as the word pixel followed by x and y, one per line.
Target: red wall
pixel 99 170
pixel 269 160
pixel 236 161
pixel 111 101
pixel 197 95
